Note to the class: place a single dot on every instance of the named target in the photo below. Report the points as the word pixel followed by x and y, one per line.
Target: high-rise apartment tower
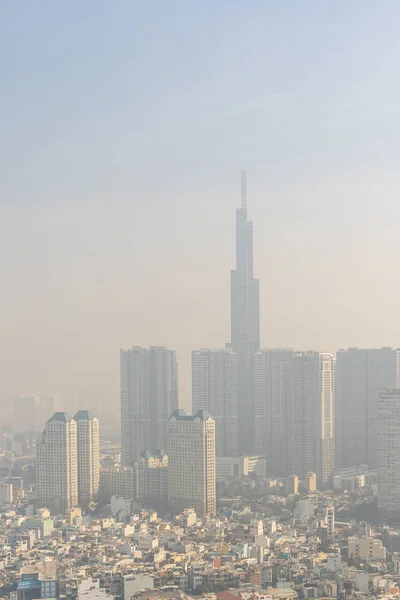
pixel 149 394
pixel 88 453
pixel 191 463
pixel 268 408
pixel 308 415
pixel 361 374
pixel 57 464
pixel 388 453
pixel 214 388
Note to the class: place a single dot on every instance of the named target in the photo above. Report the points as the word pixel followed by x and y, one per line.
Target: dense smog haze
pixel 120 159
pixel 200 334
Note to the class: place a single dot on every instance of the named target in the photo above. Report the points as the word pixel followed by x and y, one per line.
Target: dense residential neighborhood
pixel 270 539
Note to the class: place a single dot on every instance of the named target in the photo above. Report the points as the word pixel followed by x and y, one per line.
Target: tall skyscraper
pixel 268 410
pixel 245 322
pixel 308 415
pixel 191 463
pixel 214 388
pixel 388 453
pixel 361 374
pixel 26 412
pixel 88 453
pixel 57 465
pixel 149 394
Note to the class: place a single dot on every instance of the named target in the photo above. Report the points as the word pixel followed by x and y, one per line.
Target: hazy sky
pixel 124 127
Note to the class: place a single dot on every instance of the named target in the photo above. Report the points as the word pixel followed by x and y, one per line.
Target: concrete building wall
pixel 153 480
pixel 88 452
pixel 268 405
pixel 118 481
pixel 191 463
pixel 215 389
pixel 388 453
pixel 309 412
pixel 361 375
pixel 57 464
pixel 149 394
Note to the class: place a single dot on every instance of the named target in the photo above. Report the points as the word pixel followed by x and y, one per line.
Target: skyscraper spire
pixel 244 191
pixel 245 321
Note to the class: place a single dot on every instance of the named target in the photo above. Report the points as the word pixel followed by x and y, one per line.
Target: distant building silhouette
pixel 268 406
pixel 149 394
pixel 214 388
pixel 26 412
pixel 361 374
pixel 245 322
pixel 388 453
pixel 48 405
pixel 308 381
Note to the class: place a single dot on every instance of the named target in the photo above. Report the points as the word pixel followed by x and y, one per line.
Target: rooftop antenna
pixel 244 191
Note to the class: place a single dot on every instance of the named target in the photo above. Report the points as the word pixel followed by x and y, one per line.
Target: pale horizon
pixel 124 134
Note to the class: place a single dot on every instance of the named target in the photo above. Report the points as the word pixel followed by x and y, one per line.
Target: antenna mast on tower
pixel 244 191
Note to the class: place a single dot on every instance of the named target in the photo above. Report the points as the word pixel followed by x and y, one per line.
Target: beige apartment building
pixel 57 464
pixel 361 548
pixel 153 480
pixel 191 463
pixel 118 481
pixel 88 452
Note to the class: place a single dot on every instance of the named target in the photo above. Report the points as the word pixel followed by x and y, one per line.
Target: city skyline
pixel 118 196
pixel 200 333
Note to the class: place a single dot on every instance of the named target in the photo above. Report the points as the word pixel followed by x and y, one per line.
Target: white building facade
pixel 191 463
pixel 152 474
pixel 118 481
pixel 57 464
pixel 240 466
pixel 88 453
